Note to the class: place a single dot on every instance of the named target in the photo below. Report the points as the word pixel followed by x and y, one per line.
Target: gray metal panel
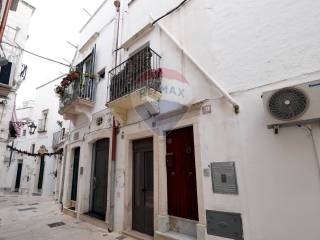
pixel 224 178
pixel 228 225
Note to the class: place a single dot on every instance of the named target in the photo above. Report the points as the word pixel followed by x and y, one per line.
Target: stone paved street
pixel 27 218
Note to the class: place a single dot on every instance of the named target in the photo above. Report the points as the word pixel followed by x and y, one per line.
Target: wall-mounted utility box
pixel 224 178
pixel 224 224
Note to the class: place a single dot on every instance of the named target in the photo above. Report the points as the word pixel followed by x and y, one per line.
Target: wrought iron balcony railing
pixel 138 71
pixel 84 88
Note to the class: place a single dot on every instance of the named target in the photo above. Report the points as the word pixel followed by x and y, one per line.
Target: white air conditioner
pixel 294 105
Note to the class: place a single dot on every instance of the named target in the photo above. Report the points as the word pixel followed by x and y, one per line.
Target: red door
pixel 181 174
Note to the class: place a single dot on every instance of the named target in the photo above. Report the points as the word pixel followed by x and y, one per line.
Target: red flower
pixel 65 82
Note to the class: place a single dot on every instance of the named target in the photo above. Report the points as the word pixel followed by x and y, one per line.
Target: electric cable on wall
pixel 171 11
pixel 37 55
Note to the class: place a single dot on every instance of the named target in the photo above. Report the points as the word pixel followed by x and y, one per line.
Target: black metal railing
pixel 83 88
pixel 140 70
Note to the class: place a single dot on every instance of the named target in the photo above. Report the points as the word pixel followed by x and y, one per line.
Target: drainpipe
pixel 5 18
pixel 114 131
pixel 113 174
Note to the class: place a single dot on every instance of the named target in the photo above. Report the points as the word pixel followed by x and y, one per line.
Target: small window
pixel 24 133
pixel 43 121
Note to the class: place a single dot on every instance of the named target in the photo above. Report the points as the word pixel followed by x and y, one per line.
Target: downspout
pixel 5 18
pixel 113 174
pixel 204 72
pixel 114 131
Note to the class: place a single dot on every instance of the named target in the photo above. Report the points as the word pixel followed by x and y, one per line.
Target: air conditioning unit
pixel 294 105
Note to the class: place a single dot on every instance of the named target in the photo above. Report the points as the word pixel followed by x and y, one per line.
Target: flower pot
pixel 74 75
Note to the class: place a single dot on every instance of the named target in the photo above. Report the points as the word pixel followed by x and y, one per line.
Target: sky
pixel 52 25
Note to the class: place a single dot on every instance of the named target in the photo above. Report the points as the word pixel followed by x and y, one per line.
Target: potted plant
pixel 65 82
pixel 59 91
pixel 74 75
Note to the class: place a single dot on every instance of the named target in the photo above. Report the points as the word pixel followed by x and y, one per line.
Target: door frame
pixel 167 134
pixel 201 223
pixel 151 139
pixel 72 174
pixel 93 160
pixel 67 182
pixel 92 168
pixel 86 184
pixel 161 217
pixel 128 166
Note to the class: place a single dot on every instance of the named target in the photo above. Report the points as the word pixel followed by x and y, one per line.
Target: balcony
pixel 136 82
pixel 58 138
pixel 78 98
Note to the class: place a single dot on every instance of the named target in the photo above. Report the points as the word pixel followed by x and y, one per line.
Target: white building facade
pixel 182 150
pixel 39 174
pixel 12 74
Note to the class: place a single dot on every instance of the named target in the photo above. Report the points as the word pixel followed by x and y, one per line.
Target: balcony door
pixel 142 209
pixel 100 179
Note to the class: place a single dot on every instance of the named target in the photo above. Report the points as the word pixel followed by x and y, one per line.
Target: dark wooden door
pixel 181 174
pixel 41 173
pixel 100 179
pixel 74 187
pixel 142 209
pixel 18 178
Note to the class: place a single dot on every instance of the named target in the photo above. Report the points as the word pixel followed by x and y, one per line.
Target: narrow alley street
pixel 30 217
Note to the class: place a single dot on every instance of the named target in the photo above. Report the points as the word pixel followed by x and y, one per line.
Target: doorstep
pixel 94 221
pixel 172 236
pixel 137 235
pixel 70 212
